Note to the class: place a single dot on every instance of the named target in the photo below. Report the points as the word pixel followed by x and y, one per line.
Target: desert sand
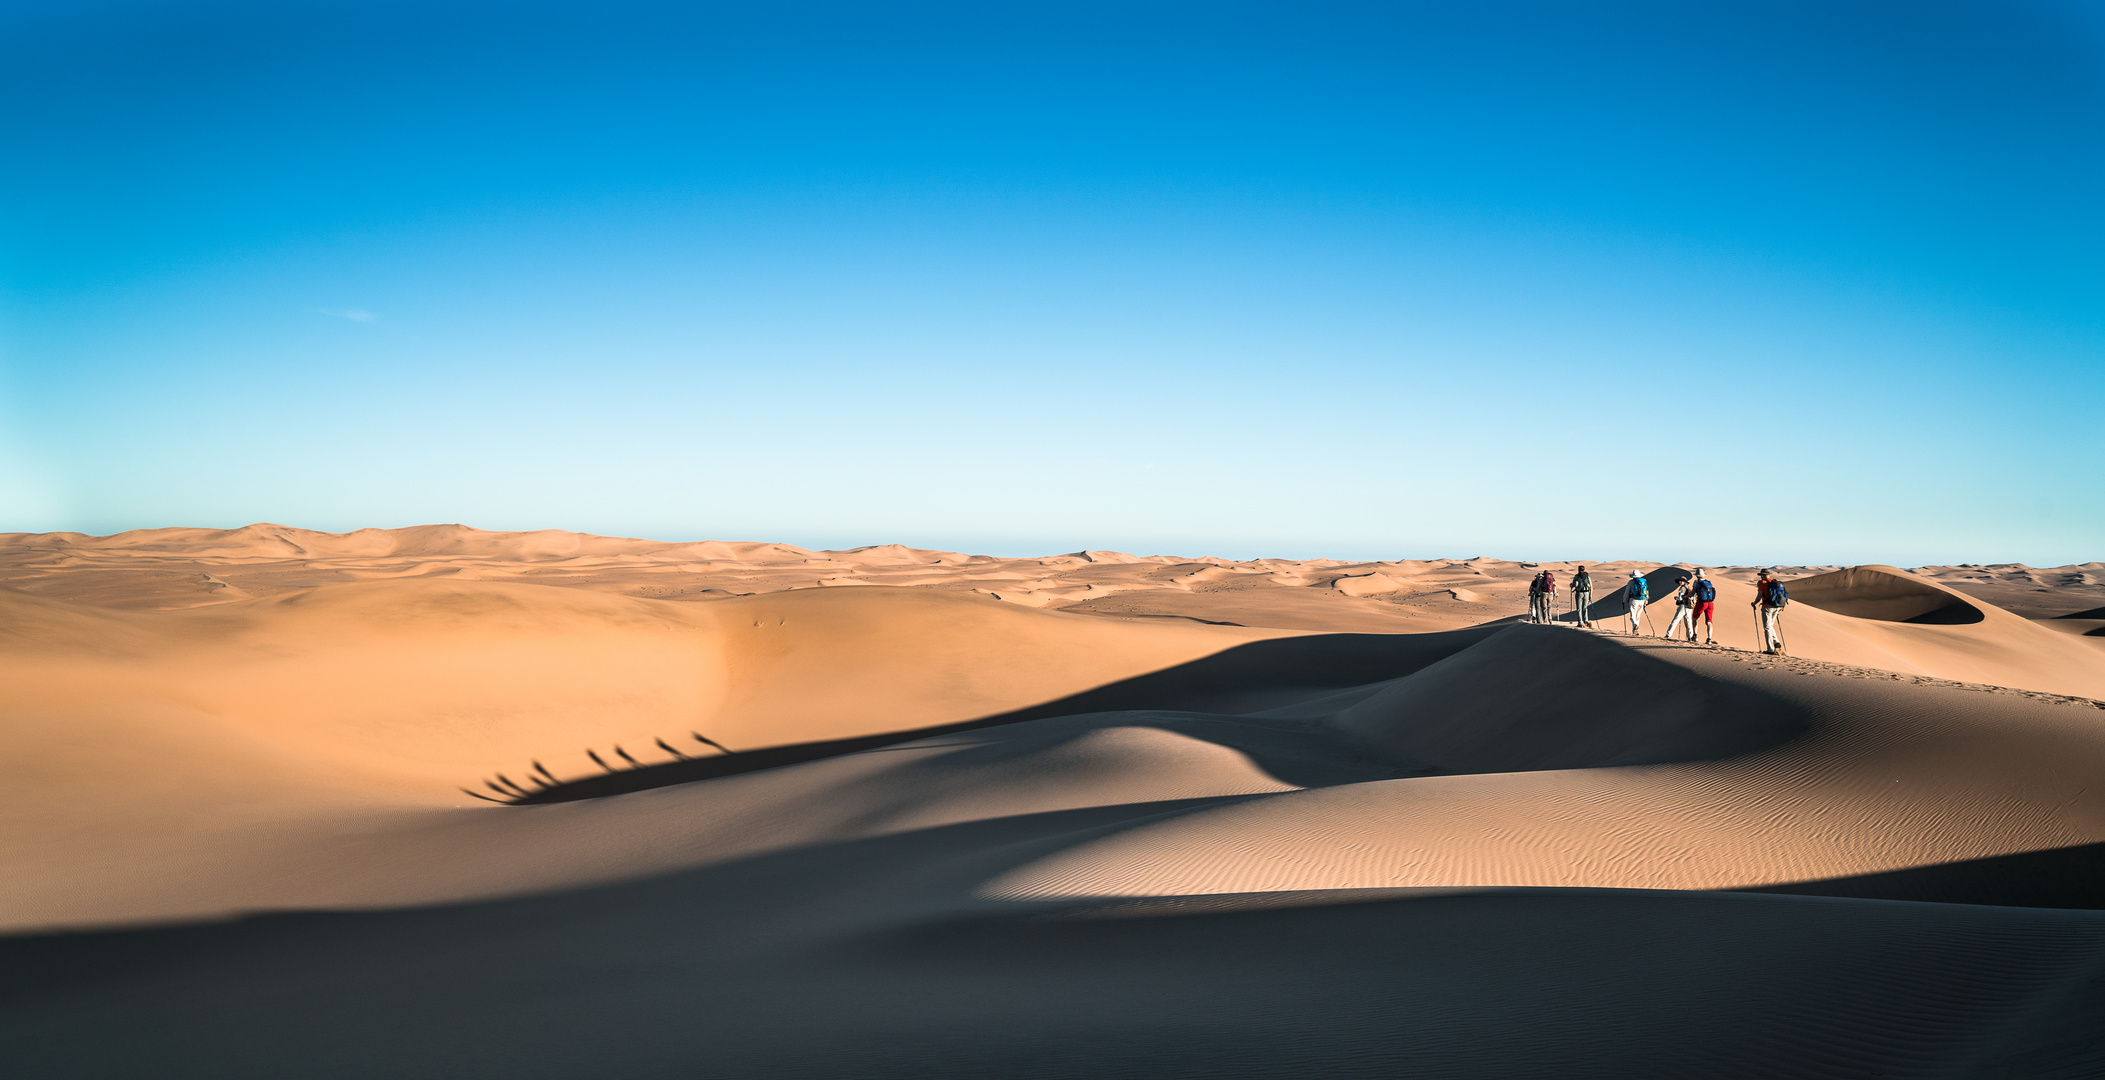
pixel 443 802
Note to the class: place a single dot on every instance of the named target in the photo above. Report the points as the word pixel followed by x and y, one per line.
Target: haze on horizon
pixel 1789 283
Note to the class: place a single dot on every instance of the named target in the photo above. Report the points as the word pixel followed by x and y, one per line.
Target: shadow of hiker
pixel 1497 698
pixel 1238 681
pixel 1245 679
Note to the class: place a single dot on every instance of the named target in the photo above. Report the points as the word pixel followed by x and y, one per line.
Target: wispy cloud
pixel 352 314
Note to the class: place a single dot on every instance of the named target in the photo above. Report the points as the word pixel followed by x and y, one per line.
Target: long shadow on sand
pixel 1497 698
pixel 2070 877
pixel 1247 678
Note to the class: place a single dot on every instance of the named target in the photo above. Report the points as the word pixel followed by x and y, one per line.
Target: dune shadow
pixel 1959 614
pixel 1869 593
pixel 1537 698
pixel 866 958
pixel 2070 877
pixel 1855 593
pixel 1248 678
pixel 1613 604
pixel 1341 708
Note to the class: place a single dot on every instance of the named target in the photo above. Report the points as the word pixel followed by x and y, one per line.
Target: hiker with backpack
pixel 1541 592
pixel 1635 595
pixel 1769 599
pixel 1706 596
pixel 1582 595
pixel 1684 608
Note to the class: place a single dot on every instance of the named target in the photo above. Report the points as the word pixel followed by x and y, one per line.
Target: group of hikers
pixel 1695 597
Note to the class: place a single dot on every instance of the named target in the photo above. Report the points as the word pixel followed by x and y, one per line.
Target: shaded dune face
pixel 1887 595
pixel 1240 679
pixel 1811 779
pixel 1534 698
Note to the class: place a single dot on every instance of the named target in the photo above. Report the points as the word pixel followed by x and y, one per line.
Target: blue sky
pixel 1738 283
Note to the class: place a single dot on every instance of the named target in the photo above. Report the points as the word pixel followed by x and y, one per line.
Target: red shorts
pixel 1703 608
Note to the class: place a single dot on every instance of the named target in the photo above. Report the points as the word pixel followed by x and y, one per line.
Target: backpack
pixel 1640 588
pixel 1777 596
pixel 1705 591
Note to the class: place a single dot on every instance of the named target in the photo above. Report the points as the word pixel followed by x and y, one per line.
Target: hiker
pixel 1582 594
pixel 1635 595
pixel 1706 594
pixel 1684 608
pixel 1539 591
pixel 1549 596
pixel 1769 599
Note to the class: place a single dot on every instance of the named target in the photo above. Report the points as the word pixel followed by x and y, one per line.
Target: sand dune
pixel 1082 815
pixel 1562 770
pixel 166 730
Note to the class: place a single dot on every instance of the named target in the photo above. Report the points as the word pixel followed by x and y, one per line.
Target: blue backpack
pixel 1640 588
pixel 1777 596
pixel 1705 591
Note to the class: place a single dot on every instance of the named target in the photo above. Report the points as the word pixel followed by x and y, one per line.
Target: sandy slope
pixel 1578 762
pixel 1179 849
pixel 185 739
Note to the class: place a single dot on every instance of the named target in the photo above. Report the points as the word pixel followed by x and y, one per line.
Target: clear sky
pixel 1770 282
